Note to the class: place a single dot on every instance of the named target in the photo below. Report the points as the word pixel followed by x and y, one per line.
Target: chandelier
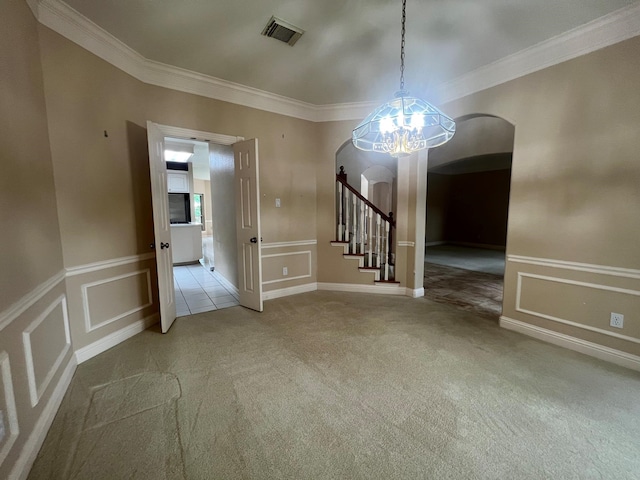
pixel 405 124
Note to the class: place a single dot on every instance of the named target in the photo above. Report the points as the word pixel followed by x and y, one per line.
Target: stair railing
pixel 367 231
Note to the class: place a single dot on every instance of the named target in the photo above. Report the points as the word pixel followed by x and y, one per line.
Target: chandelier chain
pixel 404 17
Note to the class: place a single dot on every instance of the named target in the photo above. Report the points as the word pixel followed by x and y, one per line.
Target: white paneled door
pixel 161 226
pixel 248 223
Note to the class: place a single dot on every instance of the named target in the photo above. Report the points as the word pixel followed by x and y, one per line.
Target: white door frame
pixel 187 133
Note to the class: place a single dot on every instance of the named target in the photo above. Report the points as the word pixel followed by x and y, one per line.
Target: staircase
pixel 364 232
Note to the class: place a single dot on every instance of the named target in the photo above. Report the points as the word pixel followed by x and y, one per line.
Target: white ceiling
pixel 350 49
pixel 199 160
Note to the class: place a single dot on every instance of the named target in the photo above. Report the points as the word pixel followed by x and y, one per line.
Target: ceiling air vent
pixel 283 31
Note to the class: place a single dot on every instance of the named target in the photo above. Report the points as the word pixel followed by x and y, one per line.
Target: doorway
pixel 239 160
pixel 468 187
pixel 197 287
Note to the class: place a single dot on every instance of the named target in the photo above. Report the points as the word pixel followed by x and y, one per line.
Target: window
pixel 198 205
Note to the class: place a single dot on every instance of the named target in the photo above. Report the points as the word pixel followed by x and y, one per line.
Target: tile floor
pixel 197 291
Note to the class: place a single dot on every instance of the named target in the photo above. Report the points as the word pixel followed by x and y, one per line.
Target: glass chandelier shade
pixel 405 124
pixel 402 126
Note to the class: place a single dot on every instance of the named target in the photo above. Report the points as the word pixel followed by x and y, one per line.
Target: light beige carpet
pixel 344 386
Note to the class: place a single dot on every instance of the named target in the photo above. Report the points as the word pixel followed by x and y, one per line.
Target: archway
pixel 468 186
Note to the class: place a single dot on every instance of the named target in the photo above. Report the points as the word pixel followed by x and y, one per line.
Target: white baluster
pixel 354 228
pixel 340 227
pixel 362 227
pixel 346 215
pixel 378 249
pixel 386 251
pixel 370 238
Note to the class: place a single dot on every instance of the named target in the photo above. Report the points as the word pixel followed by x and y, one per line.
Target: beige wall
pixel 113 197
pixel 224 212
pixel 574 192
pixel 35 351
pixel 574 198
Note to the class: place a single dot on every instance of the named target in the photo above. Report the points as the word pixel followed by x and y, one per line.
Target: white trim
pixel 296 243
pixel 38 434
pixel 105 343
pixel 285 292
pixel 405 243
pixel 89 327
pixel 615 27
pixel 576 266
pixel 415 292
pixel 357 288
pixel 28 300
pixel 338 112
pixel 35 390
pixel 602 32
pixel 227 284
pixel 115 262
pixel 572 343
pixel 12 429
pixel 286 279
pixel 69 23
pixel 218 138
pixel 569 322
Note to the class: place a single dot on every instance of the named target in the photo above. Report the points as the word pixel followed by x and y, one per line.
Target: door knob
pixel 164 245
pixel 253 240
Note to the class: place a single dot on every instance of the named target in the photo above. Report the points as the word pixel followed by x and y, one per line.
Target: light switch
pixel 277 203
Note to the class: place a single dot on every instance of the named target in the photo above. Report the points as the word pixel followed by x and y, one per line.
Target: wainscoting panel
pixel 47 341
pixel 572 302
pixel 575 300
pixel 298 266
pixel 299 259
pixel 108 300
pixel 8 414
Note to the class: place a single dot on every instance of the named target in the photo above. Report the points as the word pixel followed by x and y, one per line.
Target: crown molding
pixel 602 32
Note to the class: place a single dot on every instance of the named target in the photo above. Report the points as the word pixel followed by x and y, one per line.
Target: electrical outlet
pixel 2 430
pixel 277 203
pixel 285 271
pixel 617 320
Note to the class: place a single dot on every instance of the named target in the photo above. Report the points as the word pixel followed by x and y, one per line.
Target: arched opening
pixel 468 186
pixel 366 192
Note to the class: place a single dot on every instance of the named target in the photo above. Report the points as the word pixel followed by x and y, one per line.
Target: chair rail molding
pixel 28 300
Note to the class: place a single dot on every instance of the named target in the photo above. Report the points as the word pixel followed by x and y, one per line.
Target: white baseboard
pixel 356 288
pixel 39 433
pixel 285 292
pixel 85 353
pixel 227 284
pixel 572 343
pixel 414 292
